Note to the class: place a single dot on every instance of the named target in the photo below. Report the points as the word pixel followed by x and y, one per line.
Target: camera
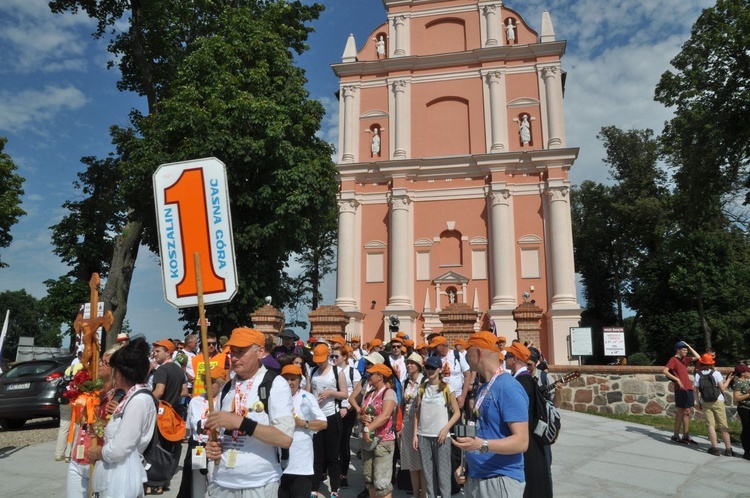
pixel 465 430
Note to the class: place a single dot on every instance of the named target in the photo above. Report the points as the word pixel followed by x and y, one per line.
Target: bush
pixel 639 359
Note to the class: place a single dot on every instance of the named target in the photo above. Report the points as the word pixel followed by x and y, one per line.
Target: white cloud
pixel 33 38
pixel 28 108
pixel 329 127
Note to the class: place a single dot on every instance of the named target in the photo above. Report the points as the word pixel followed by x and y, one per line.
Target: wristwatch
pixel 366 429
pixel 485 447
pixel 307 424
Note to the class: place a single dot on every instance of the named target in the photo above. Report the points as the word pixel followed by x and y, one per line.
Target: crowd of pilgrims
pixel 399 400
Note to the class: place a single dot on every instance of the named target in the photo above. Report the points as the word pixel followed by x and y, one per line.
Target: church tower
pixel 453 170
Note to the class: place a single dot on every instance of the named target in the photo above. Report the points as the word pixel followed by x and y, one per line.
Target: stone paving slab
pixel 593 457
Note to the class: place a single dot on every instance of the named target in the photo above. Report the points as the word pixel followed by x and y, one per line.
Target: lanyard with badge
pixel 239 407
pixel 484 390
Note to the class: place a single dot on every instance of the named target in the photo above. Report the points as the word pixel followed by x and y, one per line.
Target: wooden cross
pixel 89 326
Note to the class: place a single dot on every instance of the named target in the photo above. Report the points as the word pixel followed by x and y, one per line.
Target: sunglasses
pixel 335 356
pixel 211 344
pixel 430 368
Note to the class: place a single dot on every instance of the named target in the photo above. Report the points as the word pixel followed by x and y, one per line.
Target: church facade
pixel 453 170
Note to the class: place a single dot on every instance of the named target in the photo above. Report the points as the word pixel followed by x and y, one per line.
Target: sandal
pixel 153 491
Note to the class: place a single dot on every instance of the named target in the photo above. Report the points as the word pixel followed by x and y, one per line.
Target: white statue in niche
pixel 525 129
pixel 451 296
pixel 380 46
pixel 510 30
pixel 375 146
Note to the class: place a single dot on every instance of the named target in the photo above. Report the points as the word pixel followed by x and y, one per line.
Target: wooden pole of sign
pixel 204 338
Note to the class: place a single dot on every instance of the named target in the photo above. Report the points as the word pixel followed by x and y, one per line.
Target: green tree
pixel 708 140
pixel 244 102
pixel 27 319
pixel 11 190
pixel 84 238
pixel 61 304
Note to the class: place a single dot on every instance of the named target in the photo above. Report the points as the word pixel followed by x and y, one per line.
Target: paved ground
pixel 594 457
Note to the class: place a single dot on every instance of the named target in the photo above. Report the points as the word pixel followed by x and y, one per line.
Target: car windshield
pixel 27 369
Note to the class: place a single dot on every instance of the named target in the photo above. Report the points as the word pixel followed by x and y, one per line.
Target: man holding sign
pixel 250 429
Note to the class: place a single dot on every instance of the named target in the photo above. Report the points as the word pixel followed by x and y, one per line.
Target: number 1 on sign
pixel 188 192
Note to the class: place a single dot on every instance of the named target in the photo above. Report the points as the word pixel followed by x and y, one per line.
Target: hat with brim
pixel 375 358
pixel 707 359
pixel 289 334
pixel 415 358
pixel 519 351
pixel 338 340
pixel 433 362
pixel 437 341
pixel 376 342
pixel 243 337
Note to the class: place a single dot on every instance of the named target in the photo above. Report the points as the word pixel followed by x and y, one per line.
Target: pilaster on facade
pixel 559 323
pixel 399 254
pixel 502 261
pixel 400 111
pixel 345 276
pixel 551 80
pixel 348 123
pixel 399 30
pixel 560 237
pixel 495 107
pixel 490 30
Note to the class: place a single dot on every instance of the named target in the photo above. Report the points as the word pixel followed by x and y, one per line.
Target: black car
pixel 29 390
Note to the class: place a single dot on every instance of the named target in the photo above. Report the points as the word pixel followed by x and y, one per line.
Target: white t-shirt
pixel 301 451
pixel 399 366
pixel 197 412
pixel 453 371
pixel 433 414
pixel 351 373
pixel 717 377
pixel 325 382
pixel 256 463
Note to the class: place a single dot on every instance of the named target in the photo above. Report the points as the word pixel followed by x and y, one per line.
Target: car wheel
pixel 11 424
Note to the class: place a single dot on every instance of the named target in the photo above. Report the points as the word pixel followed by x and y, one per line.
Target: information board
pixel 614 341
pixel 580 341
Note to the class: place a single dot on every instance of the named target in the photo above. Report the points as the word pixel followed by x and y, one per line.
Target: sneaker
pixel 688 440
pixel 729 452
pixel 677 439
pixel 59 458
pixel 334 495
pixel 714 451
pixel 344 482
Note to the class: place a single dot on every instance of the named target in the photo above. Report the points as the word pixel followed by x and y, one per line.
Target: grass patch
pixel 697 427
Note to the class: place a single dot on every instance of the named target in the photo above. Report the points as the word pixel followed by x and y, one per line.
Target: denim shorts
pixel 683 398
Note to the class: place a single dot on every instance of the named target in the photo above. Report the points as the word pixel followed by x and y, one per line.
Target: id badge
pixel 199 458
pixel 80 452
pixel 231 458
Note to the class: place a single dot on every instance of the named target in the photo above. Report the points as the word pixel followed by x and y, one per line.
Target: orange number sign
pixel 188 192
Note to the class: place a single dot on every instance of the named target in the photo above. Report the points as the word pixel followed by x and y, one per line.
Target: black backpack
pixel 707 387
pixel 160 462
pixel 547 425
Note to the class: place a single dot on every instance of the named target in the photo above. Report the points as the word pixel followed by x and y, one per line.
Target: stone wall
pixel 624 389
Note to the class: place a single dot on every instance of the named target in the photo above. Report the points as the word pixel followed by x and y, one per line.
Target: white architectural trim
pixel 530 239
pixel 423 243
pixel 523 102
pixel 478 241
pixel 376 244
pixel 373 114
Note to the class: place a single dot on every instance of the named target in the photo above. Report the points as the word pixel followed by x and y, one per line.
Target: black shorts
pixel 683 399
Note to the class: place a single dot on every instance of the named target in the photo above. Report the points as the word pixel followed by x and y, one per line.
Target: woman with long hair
pixel 78 468
pixel 377 411
pixel 118 471
pixel 348 414
pixel 437 411
pixel 328 385
pixel 410 459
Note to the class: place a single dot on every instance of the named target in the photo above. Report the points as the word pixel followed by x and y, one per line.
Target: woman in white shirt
pixel 328 385
pixel 348 414
pixel 410 459
pixel 308 419
pixel 118 471
pixel 437 412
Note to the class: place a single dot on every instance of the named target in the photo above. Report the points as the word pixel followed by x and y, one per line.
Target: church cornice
pixel 504 53
pixel 477 165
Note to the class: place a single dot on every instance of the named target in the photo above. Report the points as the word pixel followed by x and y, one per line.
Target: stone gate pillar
pixel 268 320
pixel 458 321
pixel 528 318
pixel 327 322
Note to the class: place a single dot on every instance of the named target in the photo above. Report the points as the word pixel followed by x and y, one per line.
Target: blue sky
pixel 58 100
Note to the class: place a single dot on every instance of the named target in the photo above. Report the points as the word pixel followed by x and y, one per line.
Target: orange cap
pixel 320 353
pixel 437 341
pixel 520 351
pixel 338 340
pixel 376 342
pixel 166 344
pixel 381 369
pixel 243 337
pixel 461 342
pixel 291 370
pixel 484 340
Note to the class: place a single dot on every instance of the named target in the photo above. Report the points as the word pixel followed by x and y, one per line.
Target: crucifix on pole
pixel 90 325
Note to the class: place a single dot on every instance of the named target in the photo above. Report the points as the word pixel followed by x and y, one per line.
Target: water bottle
pixel 307 411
